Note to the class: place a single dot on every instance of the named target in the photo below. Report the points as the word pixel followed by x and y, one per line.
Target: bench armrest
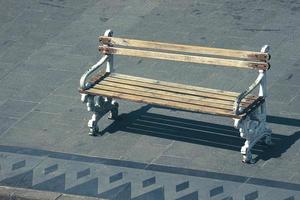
pixel 246 92
pixel 83 84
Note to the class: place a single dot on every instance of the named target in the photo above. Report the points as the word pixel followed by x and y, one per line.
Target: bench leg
pixel 99 106
pixel 253 128
pixel 113 113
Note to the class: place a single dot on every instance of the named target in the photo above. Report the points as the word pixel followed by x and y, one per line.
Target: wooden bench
pixel 247 110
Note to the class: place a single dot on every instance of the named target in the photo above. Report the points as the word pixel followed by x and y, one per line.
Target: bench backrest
pixel 185 53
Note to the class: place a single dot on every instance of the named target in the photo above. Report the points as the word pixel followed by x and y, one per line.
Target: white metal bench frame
pixel 252 127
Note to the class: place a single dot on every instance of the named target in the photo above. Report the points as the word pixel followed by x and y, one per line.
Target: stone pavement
pixel 150 152
pixel 9 193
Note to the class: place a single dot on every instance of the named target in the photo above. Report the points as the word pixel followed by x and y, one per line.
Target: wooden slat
pixel 171 89
pixel 177 85
pixel 185 48
pixel 169 95
pixel 185 58
pixel 160 102
pixel 164 97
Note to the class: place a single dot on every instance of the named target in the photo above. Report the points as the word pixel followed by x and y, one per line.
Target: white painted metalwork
pixel 83 84
pixel 238 110
pixel 253 127
pixel 97 104
pixel 110 62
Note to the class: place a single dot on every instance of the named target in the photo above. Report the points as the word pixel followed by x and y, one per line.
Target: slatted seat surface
pixel 178 96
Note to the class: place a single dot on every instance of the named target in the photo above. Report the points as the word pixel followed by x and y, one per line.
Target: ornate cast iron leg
pixel 99 106
pixel 253 128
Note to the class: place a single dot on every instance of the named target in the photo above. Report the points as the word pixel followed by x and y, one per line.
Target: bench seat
pixel 174 95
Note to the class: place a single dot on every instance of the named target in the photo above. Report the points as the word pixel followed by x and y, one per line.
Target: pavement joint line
pixel 12 21
pixel 293 98
pixel 58 197
pixel 289 114
pixel 22 100
pixel 65 27
pixel 57 44
pixel 162 152
pixel 63 70
pixel 44 112
pixel 9 117
pixel 32 110
pixel 173 156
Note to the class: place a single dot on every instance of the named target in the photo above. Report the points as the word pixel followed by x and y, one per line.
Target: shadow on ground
pixel 198 132
pixel 145 123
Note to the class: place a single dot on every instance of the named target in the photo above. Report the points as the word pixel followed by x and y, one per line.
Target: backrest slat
pixel 258 56
pixel 185 58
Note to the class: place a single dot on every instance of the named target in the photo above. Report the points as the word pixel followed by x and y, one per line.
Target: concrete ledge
pixel 11 193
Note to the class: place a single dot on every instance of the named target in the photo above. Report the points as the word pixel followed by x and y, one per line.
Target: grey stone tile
pixel 69 88
pixel 275 108
pixel 16 109
pixel 173 161
pixel 6 44
pixel 58 58
pixel 78 30
pixel 229 80
pixel 47 137
pixel 106 9
pixel 279 173
pixel 6 123
pixel 14 55
pixel 72 4
pixel 117 149
pixel 234 43
pixel 5 68
pixel 87 47
pixel 291 77
pixel 292 108
pixel 16 31
pixel 144 151
pixel 14 7
pixel 76 116
pixel 290 46
pixel 33 86
pixel 156 140
pixel 48 28
pixel 37 121
pixel 29 17
pixel 6 94
pixel 58 104
pixel 283 93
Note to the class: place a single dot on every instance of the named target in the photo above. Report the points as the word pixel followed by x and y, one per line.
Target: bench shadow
pixel 192 131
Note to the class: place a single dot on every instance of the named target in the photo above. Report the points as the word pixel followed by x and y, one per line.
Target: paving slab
pixel 149 152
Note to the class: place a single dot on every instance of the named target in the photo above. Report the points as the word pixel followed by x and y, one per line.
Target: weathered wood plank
pixel 171 89
pixel 178 85
pixel 185 48
pixel 185 58
pixel 181 97
pixel 160 102
pixel 164 97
